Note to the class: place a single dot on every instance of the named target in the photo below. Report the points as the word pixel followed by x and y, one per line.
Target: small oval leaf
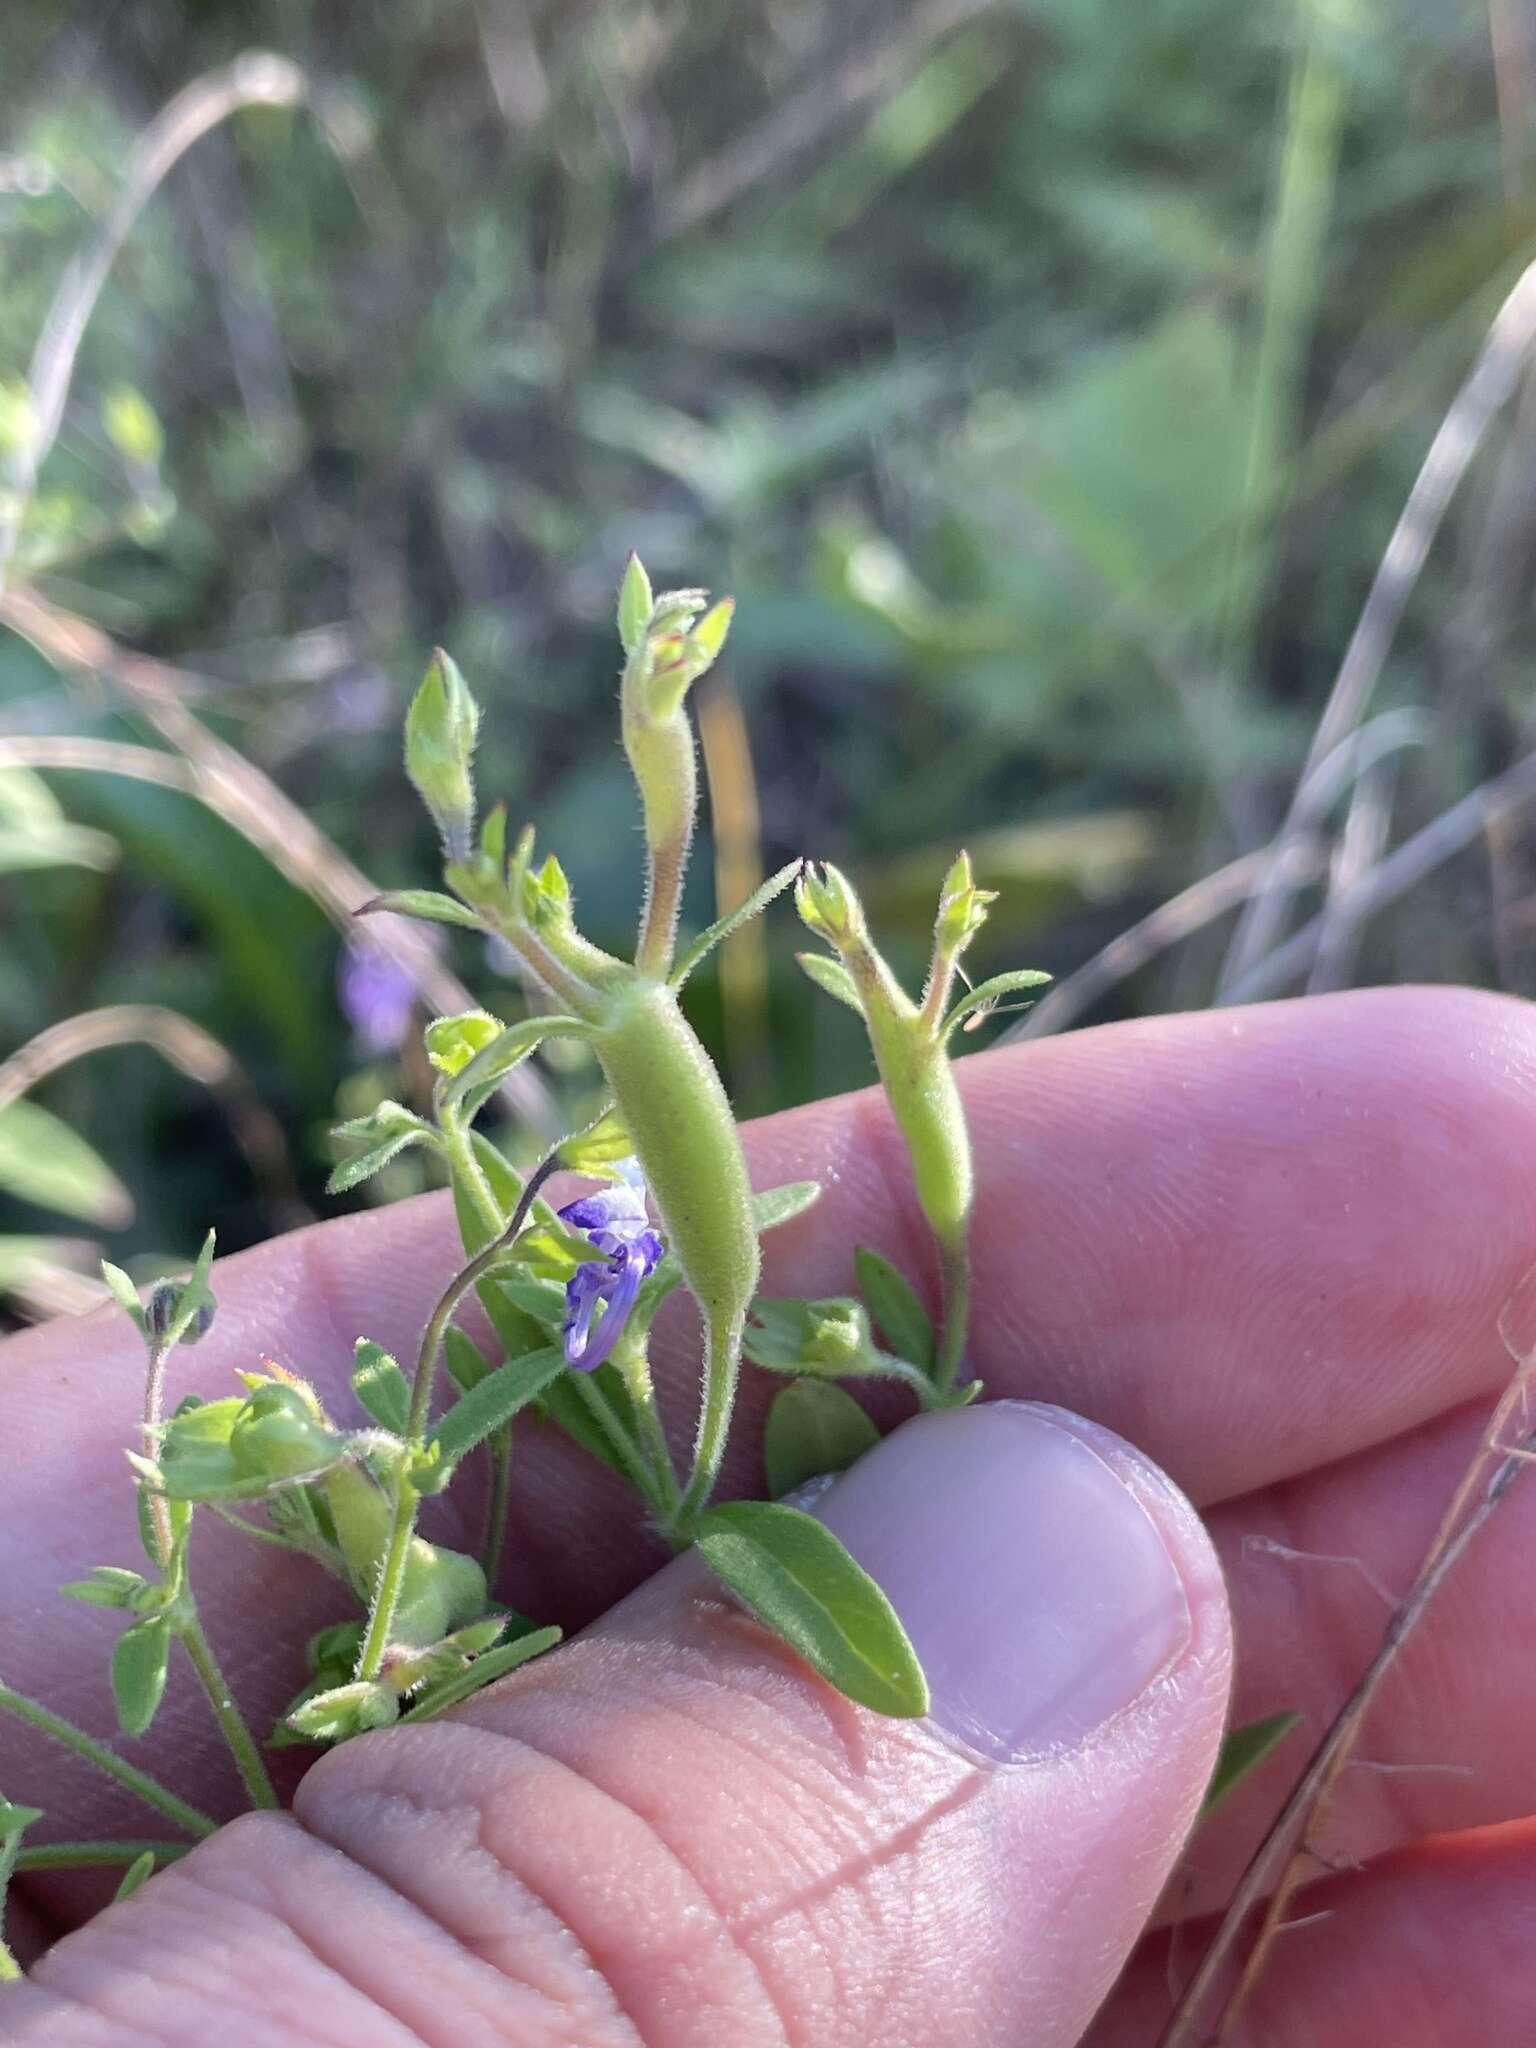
pixel 813 1427
pixel 797 1578
pixel 380 1386
pixel 138 1673
pixel 898 1314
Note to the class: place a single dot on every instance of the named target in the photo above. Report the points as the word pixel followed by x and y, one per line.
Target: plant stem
pixel 232 1726
pixel 500 1504
pixel 97 1855
pixel 10 1846
pixel 956 1266
pixel 386 1597
pixel 625 1449
pixel 386 1593
pixel 96 1753
pixel 154 1401
pixel 722 1369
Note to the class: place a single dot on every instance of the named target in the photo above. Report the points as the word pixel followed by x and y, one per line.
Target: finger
pixel 1317 1570
pixel 1430 1947
pixel 1256 1241
pixel 673 1832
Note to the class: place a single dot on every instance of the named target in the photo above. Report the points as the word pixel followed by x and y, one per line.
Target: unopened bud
pixel 440 730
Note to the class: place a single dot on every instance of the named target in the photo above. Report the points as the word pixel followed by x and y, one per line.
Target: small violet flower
pixel 615 1222
pixel 378 996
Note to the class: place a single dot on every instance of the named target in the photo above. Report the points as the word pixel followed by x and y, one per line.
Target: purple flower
pixel 615 1222
pixel 377 996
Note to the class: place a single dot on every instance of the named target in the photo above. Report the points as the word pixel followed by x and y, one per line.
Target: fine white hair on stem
pixel 1490 384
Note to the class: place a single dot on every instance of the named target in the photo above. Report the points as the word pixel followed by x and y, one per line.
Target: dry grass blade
pixel 254 79
pixel 1481 810
pixel 1214 895
pixel 1278 1867
pixel 1488 388
pixel 800 120
pixel 191 1051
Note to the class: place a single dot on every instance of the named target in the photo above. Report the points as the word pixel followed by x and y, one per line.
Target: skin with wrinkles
pixel 1268 1247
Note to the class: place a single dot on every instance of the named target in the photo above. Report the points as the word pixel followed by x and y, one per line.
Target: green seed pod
pixel 673 1106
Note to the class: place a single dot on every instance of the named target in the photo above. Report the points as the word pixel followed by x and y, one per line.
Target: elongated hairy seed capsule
pixel 674 1107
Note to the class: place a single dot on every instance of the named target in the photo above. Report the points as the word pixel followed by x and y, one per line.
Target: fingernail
pixel 1037 1589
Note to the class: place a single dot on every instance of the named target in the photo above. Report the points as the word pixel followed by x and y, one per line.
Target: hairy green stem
pixel 232 1724
pixel 391 1579
pixel 722 1370
pixel 98 1855
pixel 10 1845
pixel 956 1266
pixel 129 1776
pixel 499 1506
pixel 154 1401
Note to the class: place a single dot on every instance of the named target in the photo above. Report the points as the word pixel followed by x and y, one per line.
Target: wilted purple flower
pixel 377 995
pixel 615 1221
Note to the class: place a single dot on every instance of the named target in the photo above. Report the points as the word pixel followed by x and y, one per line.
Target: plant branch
pixel 89 1750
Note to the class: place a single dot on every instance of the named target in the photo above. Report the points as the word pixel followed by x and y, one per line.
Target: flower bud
pixel 345 1710
pixel 164 1307
pixel 962 910
pixel 452 1042
pixel 821 1339
pixel 828 906
pixel 440 730
pixel 277 1435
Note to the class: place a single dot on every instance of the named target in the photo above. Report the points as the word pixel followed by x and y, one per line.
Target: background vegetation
pixel 1043 376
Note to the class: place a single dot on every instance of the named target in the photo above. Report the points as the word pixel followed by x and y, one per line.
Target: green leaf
pixel 493 1402
pixel 492 1665
pixel 798 1579
pixel 517 1331
pixel 108 1586
pixel 723 927
pixel 779 1205
pixel 599 1147
pixel 124 1293
pixel 380 1385
pixel 431 904
pixel 352 1172
pixel 834 977
pixel 566 1406
pixel 1242 1752
pixel 142 1867
pixel 986 993
pixel 42 1161
pixel 813 1427
pixel 13 1819
pixel 466 1362
pixel 138 1673
pixel 899 1315
pixel 636 604
pixel 508 1049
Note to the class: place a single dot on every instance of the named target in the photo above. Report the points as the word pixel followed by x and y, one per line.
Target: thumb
pixel 671 1832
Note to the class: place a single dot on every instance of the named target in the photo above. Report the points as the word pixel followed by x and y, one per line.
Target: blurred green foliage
pixel 1043 377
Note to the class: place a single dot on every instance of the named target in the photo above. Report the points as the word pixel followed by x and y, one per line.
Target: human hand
pixel 1268 1247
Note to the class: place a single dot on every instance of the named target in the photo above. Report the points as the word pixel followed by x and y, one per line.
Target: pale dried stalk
pixel 1488 388
pixel 800 120
pixel 1279 1865
pixel 1215 894
pixel 191 1051
pixel 222 778
pixel 1481 810
pixel 254 79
